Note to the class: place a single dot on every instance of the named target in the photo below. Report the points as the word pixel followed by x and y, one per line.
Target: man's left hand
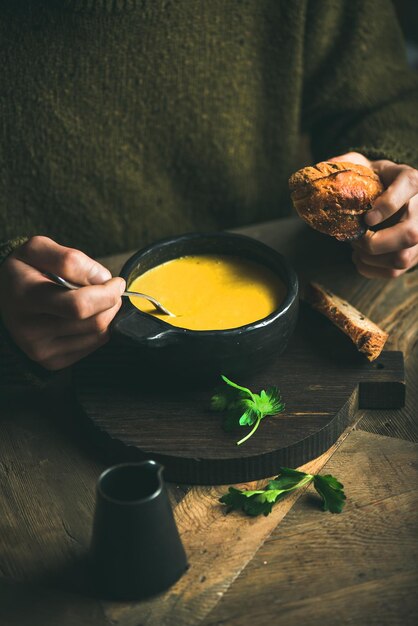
pixel 392 250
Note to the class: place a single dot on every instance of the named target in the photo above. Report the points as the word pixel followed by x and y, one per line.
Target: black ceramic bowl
pixel 204 354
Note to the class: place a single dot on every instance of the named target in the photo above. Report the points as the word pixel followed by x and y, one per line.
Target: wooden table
pixel 297 566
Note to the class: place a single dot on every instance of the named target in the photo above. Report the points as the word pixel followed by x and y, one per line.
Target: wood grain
pixel 356 568
pixel 24 604
pixel 44 533
pixel 48 472
pixel 317 375
pixel 218 547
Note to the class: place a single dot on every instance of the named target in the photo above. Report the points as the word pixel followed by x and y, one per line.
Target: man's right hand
pixel 54 326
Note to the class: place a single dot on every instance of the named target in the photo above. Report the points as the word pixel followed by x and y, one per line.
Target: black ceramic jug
pixel 136 549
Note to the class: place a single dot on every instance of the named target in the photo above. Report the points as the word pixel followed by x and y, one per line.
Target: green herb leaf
pixel 235 386
pixel 218 402
pixel 274 399
pixel 242 407
pixel 225 399
pixel 261 501
pixel 250 415
pixel 236 500
pixel 288 479
pixel 331 492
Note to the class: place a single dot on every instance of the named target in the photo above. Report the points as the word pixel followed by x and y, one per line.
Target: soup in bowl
pixel 210 291
pixel 234 301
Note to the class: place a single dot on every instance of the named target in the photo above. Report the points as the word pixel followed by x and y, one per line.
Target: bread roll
pixel 333 197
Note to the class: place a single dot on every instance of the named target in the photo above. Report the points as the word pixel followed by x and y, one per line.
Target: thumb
pixel 352 157
pixel 46 255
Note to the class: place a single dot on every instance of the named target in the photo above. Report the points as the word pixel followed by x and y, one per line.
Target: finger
pixel 39 327
pixel 402 235
pixel 48 256
pixel 62 359
pixel 400 191
pixel 79 304
pixel 352 157
pixel 369 271
pixel 387 170
pixel 44 349
pixel 96 324
pixel 400 260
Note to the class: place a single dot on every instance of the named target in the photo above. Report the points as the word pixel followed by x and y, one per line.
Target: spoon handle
pixel 160 308
pixel 61 281
pixel 66 283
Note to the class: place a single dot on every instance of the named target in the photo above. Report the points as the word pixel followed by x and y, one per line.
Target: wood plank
pixel 129 419
pixel 48 476
pixel 44 532
pixel 402 423
pixel 355 568
pixel 25 604
pixel 47 482
pixel 218 546
pixel 390 601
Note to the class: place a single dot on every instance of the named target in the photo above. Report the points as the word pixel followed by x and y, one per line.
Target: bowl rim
pixel 291 282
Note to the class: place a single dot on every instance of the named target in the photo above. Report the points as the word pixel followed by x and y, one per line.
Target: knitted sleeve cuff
pixel 7 247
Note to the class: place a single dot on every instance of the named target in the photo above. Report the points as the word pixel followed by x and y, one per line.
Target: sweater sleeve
pixel 359 94
pixel 7 247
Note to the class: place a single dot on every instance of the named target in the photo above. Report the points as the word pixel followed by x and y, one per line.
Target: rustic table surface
pixel 296 566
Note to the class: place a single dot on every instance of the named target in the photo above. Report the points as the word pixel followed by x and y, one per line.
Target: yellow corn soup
pixel 210 292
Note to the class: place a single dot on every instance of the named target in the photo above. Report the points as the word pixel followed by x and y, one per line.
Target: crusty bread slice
pixel 364 333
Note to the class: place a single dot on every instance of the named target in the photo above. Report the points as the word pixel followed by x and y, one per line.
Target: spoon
pixel 65 283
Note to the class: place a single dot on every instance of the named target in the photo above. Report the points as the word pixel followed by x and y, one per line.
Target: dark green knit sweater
pixel 123 121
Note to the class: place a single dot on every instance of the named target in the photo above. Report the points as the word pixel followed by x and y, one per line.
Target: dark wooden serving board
pixel 321 376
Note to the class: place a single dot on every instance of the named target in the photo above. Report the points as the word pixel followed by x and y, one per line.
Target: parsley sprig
pixel 262 500
pixel 242 407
